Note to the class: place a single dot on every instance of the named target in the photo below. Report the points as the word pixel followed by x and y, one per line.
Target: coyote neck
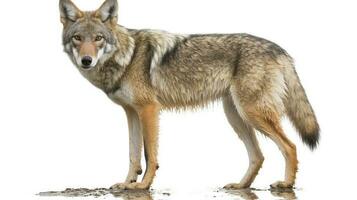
pixel 107 76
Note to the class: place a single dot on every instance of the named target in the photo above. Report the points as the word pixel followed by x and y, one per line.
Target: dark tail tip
pixel 311 139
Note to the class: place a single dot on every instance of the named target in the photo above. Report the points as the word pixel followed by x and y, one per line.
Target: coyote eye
pixel 77 38
pixel 98 38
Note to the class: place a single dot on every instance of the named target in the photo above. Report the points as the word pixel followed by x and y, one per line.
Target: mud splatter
pixel 78 192
pixel 100 192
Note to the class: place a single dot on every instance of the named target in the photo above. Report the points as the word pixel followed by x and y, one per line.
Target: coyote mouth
pixel 86 67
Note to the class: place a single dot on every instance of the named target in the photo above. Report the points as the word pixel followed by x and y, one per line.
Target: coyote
pixel 146 71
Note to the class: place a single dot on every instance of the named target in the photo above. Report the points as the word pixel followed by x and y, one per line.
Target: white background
pixel 58 131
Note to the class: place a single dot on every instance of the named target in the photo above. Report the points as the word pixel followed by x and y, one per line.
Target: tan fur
pixel 267 121
pixel 88 48
pixel 149 115
pixel 147 71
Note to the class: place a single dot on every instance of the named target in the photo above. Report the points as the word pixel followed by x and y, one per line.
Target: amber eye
pixel 98 38
pixel 77 38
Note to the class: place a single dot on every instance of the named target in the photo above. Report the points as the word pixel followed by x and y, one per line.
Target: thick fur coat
pixel 146 71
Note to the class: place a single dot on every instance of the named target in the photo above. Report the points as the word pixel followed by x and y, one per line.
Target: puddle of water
pixel 245 194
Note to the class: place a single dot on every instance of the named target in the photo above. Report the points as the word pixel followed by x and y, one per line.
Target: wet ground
pixel 245 194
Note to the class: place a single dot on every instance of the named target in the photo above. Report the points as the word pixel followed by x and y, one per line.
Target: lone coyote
pixel 146 71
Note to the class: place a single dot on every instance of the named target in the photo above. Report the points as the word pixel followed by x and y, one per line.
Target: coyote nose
pixel 86 61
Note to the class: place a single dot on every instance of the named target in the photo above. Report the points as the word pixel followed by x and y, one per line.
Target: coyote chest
pixel 123 95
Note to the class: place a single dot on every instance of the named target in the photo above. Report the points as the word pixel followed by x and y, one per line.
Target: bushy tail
pixel 299 109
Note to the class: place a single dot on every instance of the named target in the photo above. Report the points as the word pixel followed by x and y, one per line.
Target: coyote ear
pixel 69 11
pixel 108 11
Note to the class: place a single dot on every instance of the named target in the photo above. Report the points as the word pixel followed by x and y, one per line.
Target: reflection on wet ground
pixel 250 193
pixel 245 194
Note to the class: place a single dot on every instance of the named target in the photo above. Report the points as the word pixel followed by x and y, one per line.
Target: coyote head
pixel 88 37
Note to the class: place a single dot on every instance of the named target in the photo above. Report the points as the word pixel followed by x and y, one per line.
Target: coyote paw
pixel 138 186
pixel 235 186
pixel 130 186
pixel 281 185
pixel 119 186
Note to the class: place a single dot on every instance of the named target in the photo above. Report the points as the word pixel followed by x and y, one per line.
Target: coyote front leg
pixel 148 116
pixel 135 145
pixel 135 148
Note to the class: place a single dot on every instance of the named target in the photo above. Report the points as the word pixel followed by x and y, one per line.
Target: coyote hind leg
pixel 267 121
pixel 247 135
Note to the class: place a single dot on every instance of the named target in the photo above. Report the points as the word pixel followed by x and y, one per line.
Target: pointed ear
pixel 69 11
pixel 108 11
